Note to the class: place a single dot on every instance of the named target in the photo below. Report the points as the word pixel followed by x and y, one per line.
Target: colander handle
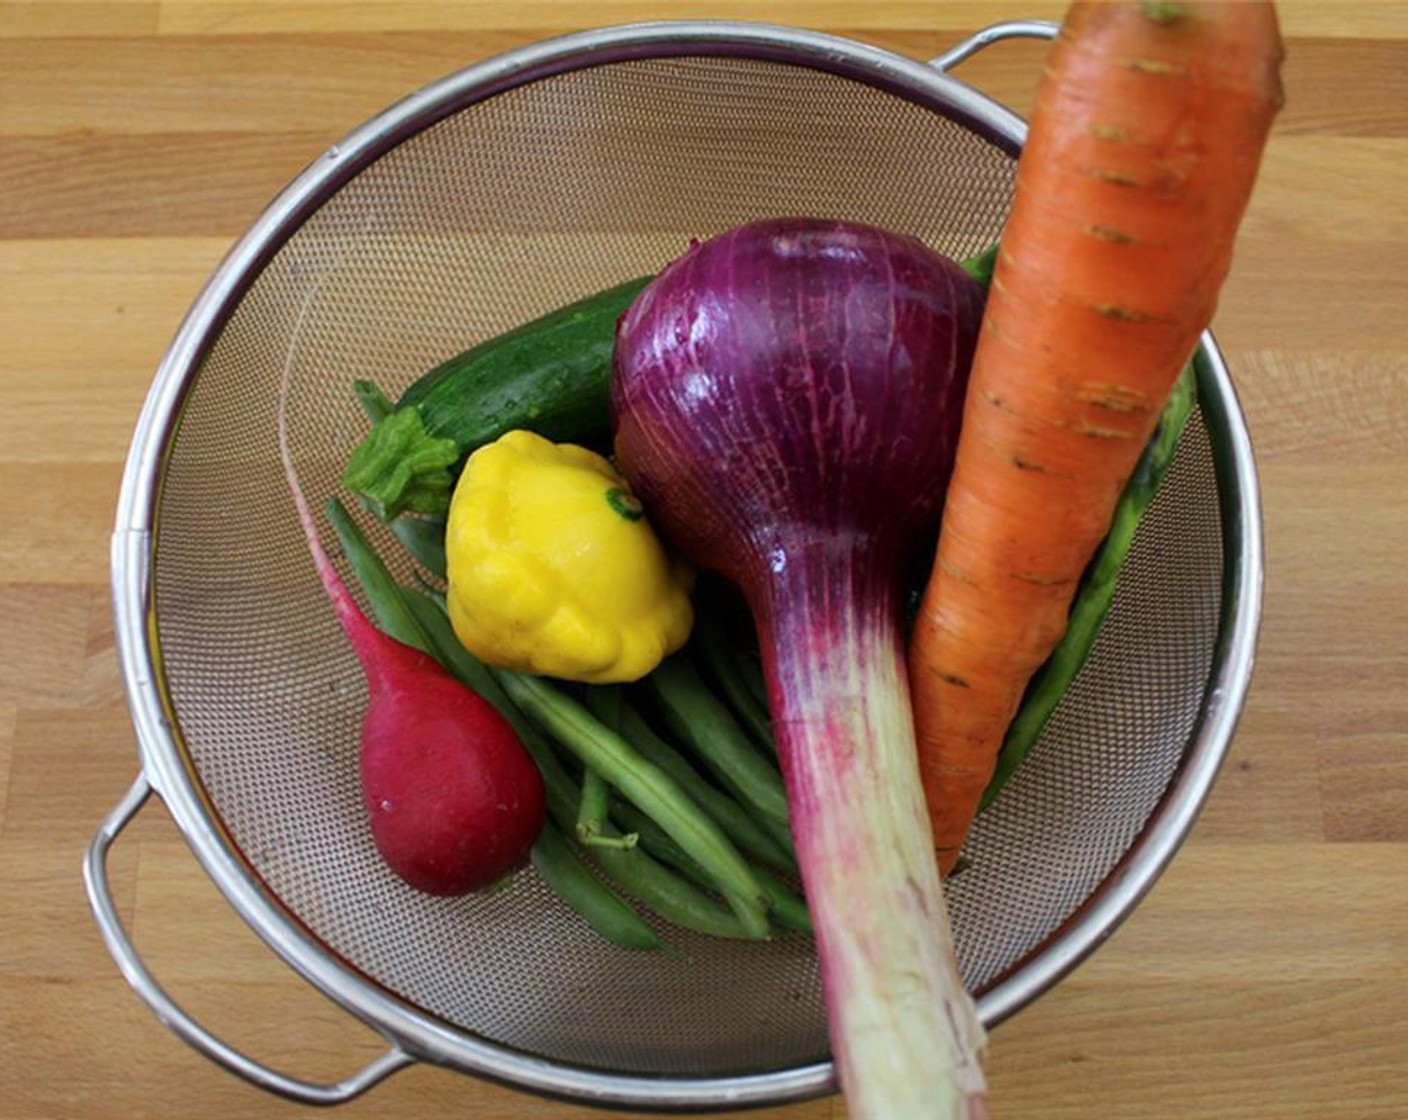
pixel 997 33
pixel 115 936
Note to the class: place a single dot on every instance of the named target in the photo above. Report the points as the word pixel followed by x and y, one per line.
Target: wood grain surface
pixel 1266 976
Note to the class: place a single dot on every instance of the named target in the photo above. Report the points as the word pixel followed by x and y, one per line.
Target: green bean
pixel 381 589
pixel 1097 589
pixel 657 842
pixel 647 786
pixel 722 618
pixel 721 662
pixel 608 704
pixel 981 267
pixel 743 830
pixel 591 816
pixel 424 539
pixel 750 669
pixel 789 910
pixel 700 719
pixel 672 897
pixel 557 862
pixel 463 664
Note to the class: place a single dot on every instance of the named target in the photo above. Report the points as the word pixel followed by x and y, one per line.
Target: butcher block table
pixel 1265 977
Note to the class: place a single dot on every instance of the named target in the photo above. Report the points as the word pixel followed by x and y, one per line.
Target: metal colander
pixel 497 194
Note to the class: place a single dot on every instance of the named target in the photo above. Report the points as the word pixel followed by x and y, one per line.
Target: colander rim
pixel 134 542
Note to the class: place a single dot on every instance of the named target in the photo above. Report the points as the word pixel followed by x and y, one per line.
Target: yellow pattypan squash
pixel 553 568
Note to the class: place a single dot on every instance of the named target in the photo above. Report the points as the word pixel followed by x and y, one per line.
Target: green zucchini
pixel 551 375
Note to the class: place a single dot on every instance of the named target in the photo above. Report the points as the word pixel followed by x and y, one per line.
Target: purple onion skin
pixel 792 385
pixel 786 401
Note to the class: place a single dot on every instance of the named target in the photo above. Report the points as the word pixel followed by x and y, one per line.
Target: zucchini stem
pixel 400 467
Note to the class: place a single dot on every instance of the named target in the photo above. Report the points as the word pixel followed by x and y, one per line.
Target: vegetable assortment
pixel 701 716
pixel 754 674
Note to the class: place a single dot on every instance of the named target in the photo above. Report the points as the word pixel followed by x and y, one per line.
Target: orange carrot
pixel 1143 148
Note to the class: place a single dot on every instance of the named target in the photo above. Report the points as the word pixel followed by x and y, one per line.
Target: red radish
pixel 787 398
pixel 454 800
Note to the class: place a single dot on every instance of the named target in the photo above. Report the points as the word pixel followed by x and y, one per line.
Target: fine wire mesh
pixel 501 211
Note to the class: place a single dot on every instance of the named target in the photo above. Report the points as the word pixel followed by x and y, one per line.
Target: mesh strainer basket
pixel 490 197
